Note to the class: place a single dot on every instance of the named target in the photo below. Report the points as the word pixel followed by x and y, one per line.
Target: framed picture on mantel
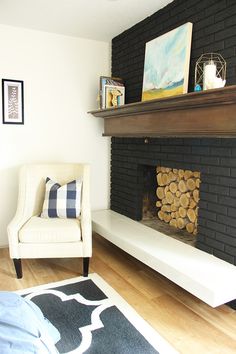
pixel 166 66
pixel 12 101
pixel 106 81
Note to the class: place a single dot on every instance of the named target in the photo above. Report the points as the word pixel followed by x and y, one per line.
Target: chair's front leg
pixel 85 266
pixel 18 267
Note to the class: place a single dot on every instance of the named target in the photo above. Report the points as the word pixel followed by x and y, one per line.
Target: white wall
pixel 61 79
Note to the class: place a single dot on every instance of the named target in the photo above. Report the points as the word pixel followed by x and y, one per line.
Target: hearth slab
pixel 207 277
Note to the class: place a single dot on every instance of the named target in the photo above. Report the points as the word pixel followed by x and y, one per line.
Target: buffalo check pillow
pixel 62 201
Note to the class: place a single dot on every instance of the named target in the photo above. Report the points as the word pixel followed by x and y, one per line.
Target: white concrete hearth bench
pixel 209 278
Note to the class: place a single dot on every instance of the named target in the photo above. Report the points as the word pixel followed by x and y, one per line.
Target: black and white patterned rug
pixel 93 318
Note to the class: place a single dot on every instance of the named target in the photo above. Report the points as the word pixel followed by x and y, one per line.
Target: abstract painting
pixel 166 66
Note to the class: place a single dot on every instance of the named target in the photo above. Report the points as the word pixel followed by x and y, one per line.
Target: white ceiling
pixel 94 19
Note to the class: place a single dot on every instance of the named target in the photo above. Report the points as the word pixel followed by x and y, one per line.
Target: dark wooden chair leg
pixel 18 267
pixel 85 266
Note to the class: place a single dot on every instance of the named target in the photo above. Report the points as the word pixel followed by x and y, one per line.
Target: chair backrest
pixel 32 183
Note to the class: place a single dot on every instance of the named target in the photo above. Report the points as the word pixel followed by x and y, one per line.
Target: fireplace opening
pixel 170 201
pixel 149 208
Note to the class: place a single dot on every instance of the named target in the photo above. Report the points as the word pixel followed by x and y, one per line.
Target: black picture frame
pixel 12 101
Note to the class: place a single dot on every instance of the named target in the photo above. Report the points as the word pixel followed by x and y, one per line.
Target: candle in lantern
pixel 209 75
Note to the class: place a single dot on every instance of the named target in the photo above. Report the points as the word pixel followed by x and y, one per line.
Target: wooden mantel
pixel 209 113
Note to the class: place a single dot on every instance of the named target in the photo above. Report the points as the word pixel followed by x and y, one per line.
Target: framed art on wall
pixel 166 66
pixel 12 101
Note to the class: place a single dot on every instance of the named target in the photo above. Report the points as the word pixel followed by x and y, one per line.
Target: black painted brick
pixel 226 33
pixel 200 150
pixel 220 171
pixel 215 8
pixel 204 187
pixel 226 220
pixel 127 153
pixel 124 196
pixel 233 172
pixel 226 257
pixel 209 215
pixel 204 247
pixel 202 204
pixel 229 11
pixel 216 226
pixel 210 178
pixel 205 231
pixel 214 244
pixel 214 29
pixel 231 231
pixel 231 241
pixel 220 151
pixel 210 160
pixel 227 181
pixel 232 192
pixel 227 201
pixel 209 197
pixel 192 159
pixel 218 208
pixel 228 162
pixel 232 212
pixel 202 222
pixel 204 22
pixel 201 238
pixel 220 190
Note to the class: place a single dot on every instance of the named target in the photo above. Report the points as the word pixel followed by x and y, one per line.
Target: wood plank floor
pixel 186 322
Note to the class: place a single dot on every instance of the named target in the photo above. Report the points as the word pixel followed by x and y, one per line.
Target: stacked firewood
pixel 178 196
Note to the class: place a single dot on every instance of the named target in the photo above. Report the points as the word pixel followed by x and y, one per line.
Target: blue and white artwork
pixel 166 66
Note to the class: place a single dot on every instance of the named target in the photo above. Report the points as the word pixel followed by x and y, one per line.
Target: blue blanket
pixel 23 328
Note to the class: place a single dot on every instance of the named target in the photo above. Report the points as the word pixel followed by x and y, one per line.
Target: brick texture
pixel 217 206
pixel 214 30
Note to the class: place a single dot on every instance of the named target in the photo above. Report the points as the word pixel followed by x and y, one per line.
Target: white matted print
pixel 12 101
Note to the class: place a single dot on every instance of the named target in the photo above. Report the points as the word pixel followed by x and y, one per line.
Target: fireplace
pixel 192 132
pixel 214 158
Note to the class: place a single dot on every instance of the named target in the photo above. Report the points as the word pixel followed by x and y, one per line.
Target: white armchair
pixel 31 236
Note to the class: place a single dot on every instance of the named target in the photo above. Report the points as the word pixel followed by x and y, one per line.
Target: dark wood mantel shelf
pixel 209 113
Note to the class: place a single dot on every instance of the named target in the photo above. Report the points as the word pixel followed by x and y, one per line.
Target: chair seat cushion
pixel 41 230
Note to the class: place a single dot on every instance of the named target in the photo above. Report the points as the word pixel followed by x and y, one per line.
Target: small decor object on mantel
pixel 114 96
pixel 210 71
pixel 166 67
pixel 108 94
pixel 12 101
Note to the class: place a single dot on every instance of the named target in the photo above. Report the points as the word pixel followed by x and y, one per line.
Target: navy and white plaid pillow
pixel 62 201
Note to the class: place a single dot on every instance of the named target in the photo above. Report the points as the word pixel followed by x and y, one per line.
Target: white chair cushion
pixel 41 230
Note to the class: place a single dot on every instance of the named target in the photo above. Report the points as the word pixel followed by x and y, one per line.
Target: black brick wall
pixel 212 157
pixel 214 30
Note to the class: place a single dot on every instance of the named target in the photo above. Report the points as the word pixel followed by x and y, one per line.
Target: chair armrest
pixel 86 221
pixel 23 214
pixel 86 230
pixel 13 228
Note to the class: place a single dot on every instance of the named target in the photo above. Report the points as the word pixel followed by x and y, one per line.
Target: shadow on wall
pixel 9 193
